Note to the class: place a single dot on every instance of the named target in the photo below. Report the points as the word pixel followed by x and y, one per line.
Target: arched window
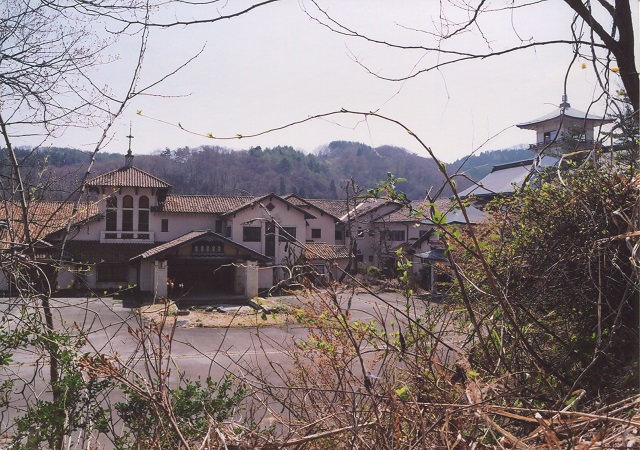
pixel 127 213
pixel 112 213
pixel 127 201
pixel 143 213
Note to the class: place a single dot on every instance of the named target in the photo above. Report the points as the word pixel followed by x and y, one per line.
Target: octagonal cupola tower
pixel 564 130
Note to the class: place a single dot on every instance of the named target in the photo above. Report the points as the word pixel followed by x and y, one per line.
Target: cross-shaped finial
pixel 129 137
pixel 129 158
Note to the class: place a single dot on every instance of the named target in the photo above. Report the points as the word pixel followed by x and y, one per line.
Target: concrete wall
pixel 325 224
pixel 160 279
pixel 146 276
pixel 282 213
pixel 567 123
pixel 366 232
pixel 246 280
pixel 252 280
pixel 265 277
pixel 66 278
pixel 180 224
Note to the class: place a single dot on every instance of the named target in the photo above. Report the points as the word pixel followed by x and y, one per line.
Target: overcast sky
pixel 277 65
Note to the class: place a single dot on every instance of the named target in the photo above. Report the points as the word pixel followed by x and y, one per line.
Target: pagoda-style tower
pixel 564 130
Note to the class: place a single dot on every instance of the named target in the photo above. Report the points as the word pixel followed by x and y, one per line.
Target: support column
pixel 251 281
pixel 246 279
pixel 160 275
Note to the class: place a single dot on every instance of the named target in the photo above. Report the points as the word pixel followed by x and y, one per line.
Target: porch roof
pixel 192 236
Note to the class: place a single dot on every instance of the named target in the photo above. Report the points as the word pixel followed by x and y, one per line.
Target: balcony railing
pixel 571 144
pixel 122 237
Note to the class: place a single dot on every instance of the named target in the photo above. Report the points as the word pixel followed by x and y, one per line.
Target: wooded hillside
pixel 256 171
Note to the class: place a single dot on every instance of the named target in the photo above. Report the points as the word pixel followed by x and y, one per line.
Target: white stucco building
pixel 131 233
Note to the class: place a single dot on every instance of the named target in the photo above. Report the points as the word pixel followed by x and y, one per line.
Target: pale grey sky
pixel 276 66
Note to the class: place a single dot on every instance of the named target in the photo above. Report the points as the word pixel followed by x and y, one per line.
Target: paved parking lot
pixel 196 352
pixel 105 323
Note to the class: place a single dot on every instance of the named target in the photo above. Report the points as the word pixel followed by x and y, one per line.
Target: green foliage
pixel 196 406
pixel 15 335
pixel 76 404
pixel 555 251
pixel 387 189
pixel 374 273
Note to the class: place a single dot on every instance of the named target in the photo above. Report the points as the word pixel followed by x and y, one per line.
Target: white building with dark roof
pixel 564 130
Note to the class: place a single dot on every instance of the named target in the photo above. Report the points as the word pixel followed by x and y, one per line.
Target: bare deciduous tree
pixel 600 32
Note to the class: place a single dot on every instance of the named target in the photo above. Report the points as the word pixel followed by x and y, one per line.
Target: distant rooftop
pixel 565 110
pixel 504 178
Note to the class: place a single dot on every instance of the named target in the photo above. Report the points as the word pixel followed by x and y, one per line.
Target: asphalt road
pixel 249 353
pixel 105 323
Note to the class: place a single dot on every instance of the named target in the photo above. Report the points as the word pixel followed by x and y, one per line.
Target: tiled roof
pixel 367 206
pixel 333 208
pixel 45 217
pixel 336 208
pixel 295 200
pixel 452 213
pixel 167 245
pixel 211 204
pixel 506 178
pixel 269 197
pixel 128 176
pixel 568 111
pixel 192 236
pixel 325 251
pixel 402 214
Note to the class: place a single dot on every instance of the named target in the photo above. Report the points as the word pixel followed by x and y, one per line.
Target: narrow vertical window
pixel 112 213
pixel 164 225
pixel 127 213
pixel 143 213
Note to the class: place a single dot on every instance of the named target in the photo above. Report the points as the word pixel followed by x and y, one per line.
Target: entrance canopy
pixel 200 266
pixel 202 244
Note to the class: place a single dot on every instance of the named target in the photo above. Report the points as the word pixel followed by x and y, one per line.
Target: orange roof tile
pixel 209 204
pixel 325 251
pixel 128 176
pixel 333 208
pixel 45 217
